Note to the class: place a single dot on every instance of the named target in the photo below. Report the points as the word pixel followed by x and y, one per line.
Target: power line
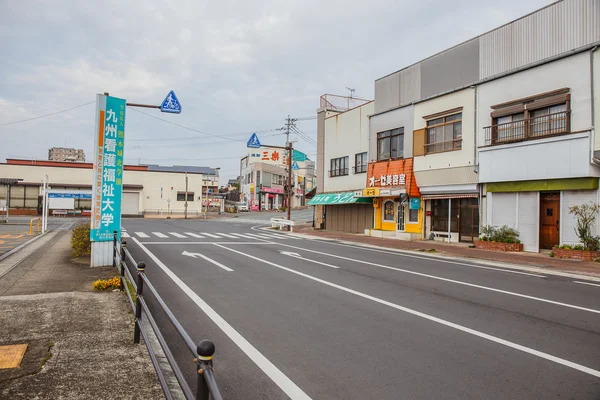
pixel 47 115
pixel 304 136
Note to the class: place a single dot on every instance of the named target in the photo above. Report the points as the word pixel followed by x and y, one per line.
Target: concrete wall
pixel 451 159
pixel 346 134
pixel 401 117
pixel 150 195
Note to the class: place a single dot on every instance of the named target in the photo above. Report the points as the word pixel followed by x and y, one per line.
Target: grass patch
pixel 431 251
pixel 48 356
pixel 131 291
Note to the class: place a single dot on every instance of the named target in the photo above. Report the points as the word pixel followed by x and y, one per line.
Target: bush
pixel 586 218
pixel 552 254
pixel 504 234
pixel 282 209
pixel 104 284
pixel 80 240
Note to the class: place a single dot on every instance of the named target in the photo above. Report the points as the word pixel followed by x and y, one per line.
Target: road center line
pixel 178 243
pixel 312 261
pixel 474 332
pixel 448 280
pixel 280 379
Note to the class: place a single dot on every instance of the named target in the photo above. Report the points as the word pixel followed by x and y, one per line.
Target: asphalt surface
pixel 382 325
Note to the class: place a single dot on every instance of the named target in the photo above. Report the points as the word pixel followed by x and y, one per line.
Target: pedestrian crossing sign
pixel 295 166
pixel 253 142
pixel 171 104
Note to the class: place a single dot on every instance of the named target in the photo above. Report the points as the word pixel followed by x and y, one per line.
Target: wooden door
pixel 549 220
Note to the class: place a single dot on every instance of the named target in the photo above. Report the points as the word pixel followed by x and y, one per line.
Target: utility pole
pixel 186 192
pixel 289 124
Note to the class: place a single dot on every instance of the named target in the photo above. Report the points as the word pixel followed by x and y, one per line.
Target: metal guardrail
pixel 39 225
pixel 206 384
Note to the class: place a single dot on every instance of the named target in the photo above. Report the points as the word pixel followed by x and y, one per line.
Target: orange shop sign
pixel 394 174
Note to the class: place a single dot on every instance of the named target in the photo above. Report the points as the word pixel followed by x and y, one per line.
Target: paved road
pixel 302 318
pixel 255 217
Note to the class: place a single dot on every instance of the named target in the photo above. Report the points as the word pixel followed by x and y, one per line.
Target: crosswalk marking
pixel 227 235
pixel 160 235
pixel 211 235
pixel 142 235
pixel 125 235
pixel 243 236
pixel 271 236
pixel 194 235
pixel 258 236
pixel 177 235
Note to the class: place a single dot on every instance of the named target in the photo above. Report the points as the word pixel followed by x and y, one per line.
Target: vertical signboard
pixel 108 168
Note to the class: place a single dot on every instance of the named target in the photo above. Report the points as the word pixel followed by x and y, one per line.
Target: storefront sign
pixel 385 192
pixel 268 155
pixel 396 175
pixel 337 198
pixel 271 190
pixel 252 188
pixel 388 180
pixel 370 192
pixel 108 169
pixel 415 203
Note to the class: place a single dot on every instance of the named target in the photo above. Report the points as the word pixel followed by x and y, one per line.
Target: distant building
pixel 66 154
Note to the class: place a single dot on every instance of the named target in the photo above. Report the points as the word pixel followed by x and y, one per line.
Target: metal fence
pixel 206 384
pixel 528 129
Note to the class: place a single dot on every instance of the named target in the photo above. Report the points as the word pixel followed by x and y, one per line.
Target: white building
pixel 343 152
pixel 147 189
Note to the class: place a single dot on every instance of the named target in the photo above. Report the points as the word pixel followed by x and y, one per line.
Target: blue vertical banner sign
pixel 108 170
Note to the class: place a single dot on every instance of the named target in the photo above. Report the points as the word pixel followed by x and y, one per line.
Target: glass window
pixel 413 216
pixel 390 144
pixel 388 210
pixel 360 163
pixel 338 166
pixel 444 134
pixel 181 196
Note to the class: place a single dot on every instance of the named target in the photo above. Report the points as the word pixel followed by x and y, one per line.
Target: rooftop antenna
pixel 351 91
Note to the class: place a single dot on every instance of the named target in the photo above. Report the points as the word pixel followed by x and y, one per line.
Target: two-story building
pixel 342 155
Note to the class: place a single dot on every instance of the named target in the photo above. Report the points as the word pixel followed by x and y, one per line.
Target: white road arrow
pixel 210 260
pixel 296 255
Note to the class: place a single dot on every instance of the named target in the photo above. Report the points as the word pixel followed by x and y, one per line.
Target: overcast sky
pixel 236 66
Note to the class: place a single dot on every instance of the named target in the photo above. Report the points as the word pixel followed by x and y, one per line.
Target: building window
pixel 440 216
pixel 444 134
pixel 413 216
pixel 530 118
pixel 360 163
pixel 181 196
pixel 390 144
pixel 388 211
pixel 257 178
pixel 339 166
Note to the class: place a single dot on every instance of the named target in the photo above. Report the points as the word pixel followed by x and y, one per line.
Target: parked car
pixel 242 207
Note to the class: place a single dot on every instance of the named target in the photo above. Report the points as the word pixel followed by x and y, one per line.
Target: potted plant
pixel 499 239
pixel 586 215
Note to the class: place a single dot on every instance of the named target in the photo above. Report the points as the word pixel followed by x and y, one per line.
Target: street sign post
pixel 295 166
pixel 108 177
pixel 171 104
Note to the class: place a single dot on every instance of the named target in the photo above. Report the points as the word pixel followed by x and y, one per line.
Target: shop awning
pixel 338 198
pixel 450 196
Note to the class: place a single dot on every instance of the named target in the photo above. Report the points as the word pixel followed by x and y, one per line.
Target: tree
pixel 586 218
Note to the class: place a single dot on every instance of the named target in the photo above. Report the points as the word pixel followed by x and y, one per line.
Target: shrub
pixel 586 218
pixel 282 209
pixel 80 240
pixel 504 234
pixel 552 254
pixel 108 284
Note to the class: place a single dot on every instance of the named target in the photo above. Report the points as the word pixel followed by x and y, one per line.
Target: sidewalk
pixel 463 251
pixel 80 342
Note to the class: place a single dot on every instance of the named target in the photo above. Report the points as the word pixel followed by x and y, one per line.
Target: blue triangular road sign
pixel 295 166
pixel 253 142
pixel 171 104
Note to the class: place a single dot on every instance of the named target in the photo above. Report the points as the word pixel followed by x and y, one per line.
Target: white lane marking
pixel 586 283
pixel 438 259
pixel 160 235
pixel 210 260
pixel 211 235
pixel 227 235
pixel 142 235
pixel 178 243
pixel 449 280
pixel 280 379
pixel 462 328
pixel 254 235
pixel 178 235
pixel 242 235
pixel 194 235
pixel 298 256
pixel 271 236
pixel 125 235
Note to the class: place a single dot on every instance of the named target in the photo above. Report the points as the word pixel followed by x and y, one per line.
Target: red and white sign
pixel 271 190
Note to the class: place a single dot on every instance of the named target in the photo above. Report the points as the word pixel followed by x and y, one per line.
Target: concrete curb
pixel 547 271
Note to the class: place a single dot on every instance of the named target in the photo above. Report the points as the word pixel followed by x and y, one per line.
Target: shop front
pixel 345 212
pixel 271 198
pixel 396 200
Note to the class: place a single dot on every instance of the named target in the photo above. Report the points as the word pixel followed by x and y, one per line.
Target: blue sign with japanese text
pixel 108 171
pixel 69 196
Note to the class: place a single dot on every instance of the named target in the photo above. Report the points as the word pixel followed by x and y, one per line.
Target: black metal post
pixel 122 271
pixel 205 350
pixel 138 304
pixel 114 249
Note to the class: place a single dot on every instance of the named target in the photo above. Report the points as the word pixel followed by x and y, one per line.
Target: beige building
pixel 147 189
pixel 66 154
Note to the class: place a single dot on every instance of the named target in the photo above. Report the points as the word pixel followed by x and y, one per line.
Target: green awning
pixel 338 198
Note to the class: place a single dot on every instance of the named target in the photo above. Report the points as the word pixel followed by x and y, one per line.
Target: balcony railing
pixel 528 129
pixel 360 169
pixel 338 172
